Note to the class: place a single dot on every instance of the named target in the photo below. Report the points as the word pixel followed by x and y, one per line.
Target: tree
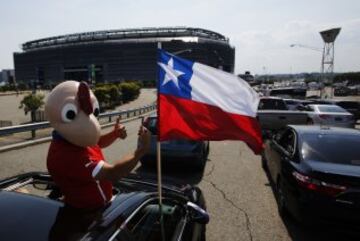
pixel 31 103
pixel 130 90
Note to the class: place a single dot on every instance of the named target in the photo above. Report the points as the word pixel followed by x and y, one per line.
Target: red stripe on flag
pixel 187 119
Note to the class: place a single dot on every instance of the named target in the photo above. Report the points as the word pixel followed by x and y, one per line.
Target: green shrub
pixel 130 90
pixel 102 96
pixel 31 103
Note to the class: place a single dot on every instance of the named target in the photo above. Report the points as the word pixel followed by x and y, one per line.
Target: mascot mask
pixel 71 109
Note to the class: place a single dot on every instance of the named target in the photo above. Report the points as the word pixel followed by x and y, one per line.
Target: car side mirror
pixel 198 215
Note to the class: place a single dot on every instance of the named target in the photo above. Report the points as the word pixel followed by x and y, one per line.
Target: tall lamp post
pixel 327 59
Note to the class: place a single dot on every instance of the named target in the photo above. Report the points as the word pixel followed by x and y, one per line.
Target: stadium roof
pixel 123 34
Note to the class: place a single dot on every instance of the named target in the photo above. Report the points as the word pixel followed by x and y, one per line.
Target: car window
pixel 331 108
pixel 325 148
pixel 146 225
pixel 288 141
pixel 272 104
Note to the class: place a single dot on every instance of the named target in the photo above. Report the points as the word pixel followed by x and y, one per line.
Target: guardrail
pixel 33 127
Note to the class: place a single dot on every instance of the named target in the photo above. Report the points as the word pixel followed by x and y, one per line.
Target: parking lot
pixel 239 197
pixel 237 191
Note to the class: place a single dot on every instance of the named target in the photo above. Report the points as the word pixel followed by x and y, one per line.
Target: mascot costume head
pixel 71 109
pixel 74 157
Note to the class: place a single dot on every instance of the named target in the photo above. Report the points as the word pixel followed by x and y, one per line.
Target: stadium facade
pixel 117 55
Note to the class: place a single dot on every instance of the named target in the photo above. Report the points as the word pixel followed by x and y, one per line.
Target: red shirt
pixel 73 169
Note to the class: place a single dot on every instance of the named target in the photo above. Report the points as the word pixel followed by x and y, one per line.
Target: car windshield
pixel 331 108
pixel 325 148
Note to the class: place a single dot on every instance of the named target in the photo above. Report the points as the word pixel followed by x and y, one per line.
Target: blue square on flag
pixel 174 75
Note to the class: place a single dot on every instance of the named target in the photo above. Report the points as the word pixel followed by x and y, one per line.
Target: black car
pixel 32 209
pixel 316 173
pixel 351 106
pixel 181 152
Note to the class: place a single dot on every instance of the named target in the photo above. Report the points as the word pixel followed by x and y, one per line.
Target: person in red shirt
pixel 75 160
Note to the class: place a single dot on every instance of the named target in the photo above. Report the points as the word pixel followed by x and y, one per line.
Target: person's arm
pixel 119 131
pixel 124 166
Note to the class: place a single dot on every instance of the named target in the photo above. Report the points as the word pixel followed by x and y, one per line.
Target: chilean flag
pixel 198 102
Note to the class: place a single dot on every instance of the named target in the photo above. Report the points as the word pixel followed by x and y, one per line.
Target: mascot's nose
pixel 83 95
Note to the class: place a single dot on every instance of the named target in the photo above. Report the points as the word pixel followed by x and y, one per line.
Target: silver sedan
pixel 331 115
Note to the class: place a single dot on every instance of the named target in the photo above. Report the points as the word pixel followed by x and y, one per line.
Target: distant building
pixel 248 77
pixel 117 55
pixel 7 76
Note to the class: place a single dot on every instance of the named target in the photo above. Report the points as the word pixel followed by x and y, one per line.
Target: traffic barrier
pixel 33 127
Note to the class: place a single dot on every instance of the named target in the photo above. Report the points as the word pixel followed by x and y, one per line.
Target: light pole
pixel 321 72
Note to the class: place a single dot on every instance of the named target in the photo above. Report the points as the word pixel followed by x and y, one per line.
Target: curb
pixel 49 138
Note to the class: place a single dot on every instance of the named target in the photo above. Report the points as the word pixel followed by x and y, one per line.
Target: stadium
pixel 117 55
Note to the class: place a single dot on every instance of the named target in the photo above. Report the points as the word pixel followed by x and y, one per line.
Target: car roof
pixel 321 129
pixel 326 105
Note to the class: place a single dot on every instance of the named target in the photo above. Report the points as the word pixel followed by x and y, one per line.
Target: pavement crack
pixel 248 224
pixel 212 168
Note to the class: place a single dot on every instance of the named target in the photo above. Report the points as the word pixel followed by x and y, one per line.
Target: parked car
pixel 186 152
pixel 331 115
pixel 315 172
pixel 32 209
pixel 295 104
pixel 273 114
pixel 351 106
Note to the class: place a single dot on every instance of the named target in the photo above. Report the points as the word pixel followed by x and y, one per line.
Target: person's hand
pixel 144 138
pixel 119 129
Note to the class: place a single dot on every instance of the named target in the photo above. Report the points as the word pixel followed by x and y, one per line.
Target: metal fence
pixel 4 131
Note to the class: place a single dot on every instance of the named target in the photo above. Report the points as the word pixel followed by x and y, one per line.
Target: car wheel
pixel 280 198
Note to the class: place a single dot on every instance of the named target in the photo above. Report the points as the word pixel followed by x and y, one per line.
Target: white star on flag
pixel 170 73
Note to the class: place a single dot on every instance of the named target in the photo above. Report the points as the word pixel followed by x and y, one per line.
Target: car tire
pixel 280 198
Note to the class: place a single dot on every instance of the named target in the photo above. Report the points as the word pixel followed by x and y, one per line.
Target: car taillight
pixel 317 185
pixel 325 116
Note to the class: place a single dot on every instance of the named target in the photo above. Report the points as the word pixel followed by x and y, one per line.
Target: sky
pixel 260 30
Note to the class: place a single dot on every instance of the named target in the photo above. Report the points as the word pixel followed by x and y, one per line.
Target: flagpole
pixel 158 149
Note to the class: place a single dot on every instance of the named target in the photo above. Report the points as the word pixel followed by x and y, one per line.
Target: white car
pixel 331 115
